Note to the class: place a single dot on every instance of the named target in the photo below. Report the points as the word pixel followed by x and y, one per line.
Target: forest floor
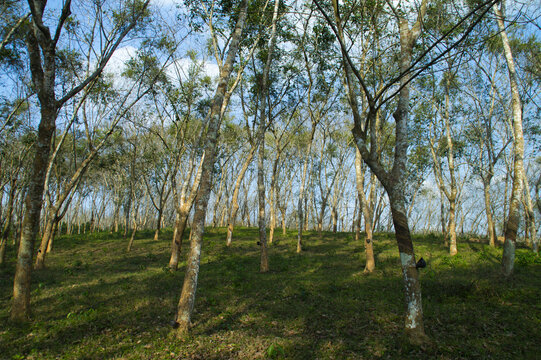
pixel 96 301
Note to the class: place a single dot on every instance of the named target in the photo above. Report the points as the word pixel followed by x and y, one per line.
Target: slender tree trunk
pixel 442 220
pixel 158 223
pixel 414 313
pixel 272 197
pixel 46 237
pixel 488 210
pixel 187 298
pixel 53 235
pixel 283 220
pixel 132 237
pixel 452 193
pixel 20 309
pixel 178 234
pixel 300 213
pixel 363 206
pixel 396 190
pixel 264 265
pixel 531 215
pixel 508 257
pixel 8 222
pixel 234 201
pixel 215 213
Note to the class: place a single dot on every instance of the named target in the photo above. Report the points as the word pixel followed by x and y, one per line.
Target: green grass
pixel 95 301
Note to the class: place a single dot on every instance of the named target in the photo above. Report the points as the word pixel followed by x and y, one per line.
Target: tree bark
pixel 531 215
pixel 44 78
pixel 394 181
pixel 508 257
pixel 365 211
pixel 234 201
pixel 183 208
pixel 187 298
pixel 8 222
pixel 491 227
pixel 41 48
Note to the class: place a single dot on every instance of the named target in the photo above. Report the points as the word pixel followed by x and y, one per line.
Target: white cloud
pixel 165 3
pixel 118 60
pixel 179 69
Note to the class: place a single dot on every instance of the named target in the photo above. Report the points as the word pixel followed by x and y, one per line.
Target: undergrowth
pixel 96 301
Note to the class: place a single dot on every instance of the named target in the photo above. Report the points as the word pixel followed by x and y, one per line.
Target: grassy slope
pixel 95 301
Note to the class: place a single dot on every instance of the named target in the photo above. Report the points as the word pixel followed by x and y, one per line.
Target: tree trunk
pixel 8 222
pixel 132 237
pixel 20 309
pixel 178 234
pixel 46 237
pixel 414 313
pixel 158 223
pixel 264 265
pixel 187 298
pixel 508 257
pixel 488 210
pixel 442 220
pixel 531 215
pixel 363 207
pixel 272 197
pixel 300 214
pixel 234 201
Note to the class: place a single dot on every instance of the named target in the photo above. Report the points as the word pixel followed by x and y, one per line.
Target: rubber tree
pixel 393 179
pixel 42 49
pixel 483 127
pixel 447 147
pixel 317 104
pixel 187 298
pixel 366 212
pixel 513 218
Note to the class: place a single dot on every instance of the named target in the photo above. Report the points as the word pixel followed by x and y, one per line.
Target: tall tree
pixel 393 179
pixel 513 219
pixel 187 297
pixel 42 53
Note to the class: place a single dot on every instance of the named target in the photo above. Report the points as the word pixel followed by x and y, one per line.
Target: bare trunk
pixel 272 197
pixel 47 235
pixel 234 202
pixel 20 309
pixel 178 234
pixel 452 228
pixel 300 213
pixel 508 257
pixel 531 215
pixel 442 220
pixel 283 220
pixel 264 265
pixel 158 223
pixel 488 210
pixel 414 313
pixel 8 223
pixel 363 206
pixel 187 298
pixel 132 237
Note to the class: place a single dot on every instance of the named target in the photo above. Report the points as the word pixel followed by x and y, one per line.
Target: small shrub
pixel 527 258
pixel 276 351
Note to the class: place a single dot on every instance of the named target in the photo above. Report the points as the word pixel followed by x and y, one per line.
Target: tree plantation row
pixel 361 116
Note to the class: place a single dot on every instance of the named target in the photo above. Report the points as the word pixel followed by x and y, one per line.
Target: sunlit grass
pixel 96 301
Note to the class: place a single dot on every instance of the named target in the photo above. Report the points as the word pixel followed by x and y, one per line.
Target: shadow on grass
pixel 314 305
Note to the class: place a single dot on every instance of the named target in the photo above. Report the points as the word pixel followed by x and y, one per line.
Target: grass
pixel 95 301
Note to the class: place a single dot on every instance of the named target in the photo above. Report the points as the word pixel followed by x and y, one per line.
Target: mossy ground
pixel 96 301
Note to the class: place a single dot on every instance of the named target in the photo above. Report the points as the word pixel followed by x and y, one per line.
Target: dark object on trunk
pixel 420 264
pixel 174 324
pixel 259 243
